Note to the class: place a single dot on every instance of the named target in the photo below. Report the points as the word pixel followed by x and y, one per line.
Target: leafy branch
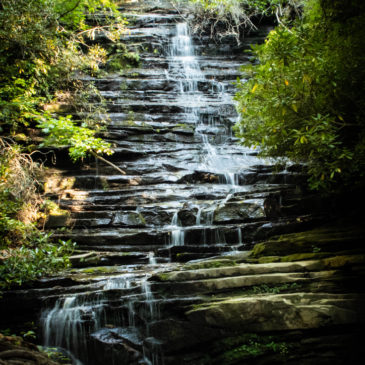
pixel 80 140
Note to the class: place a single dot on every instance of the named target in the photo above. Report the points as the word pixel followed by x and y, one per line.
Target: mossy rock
pixel 305 256
pixel 311 242
pixel 344 261
pixel 267 259
pixel 209 264
pixel 183 129
pixel 100 270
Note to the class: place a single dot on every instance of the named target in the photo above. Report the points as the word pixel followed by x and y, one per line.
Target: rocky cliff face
pixel 256 291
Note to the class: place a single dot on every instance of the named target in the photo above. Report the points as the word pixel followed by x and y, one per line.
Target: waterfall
pixel 122 307
pixel 184 68
pixel 67 325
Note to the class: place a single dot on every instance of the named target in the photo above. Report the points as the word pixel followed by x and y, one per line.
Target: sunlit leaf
pixel 254 88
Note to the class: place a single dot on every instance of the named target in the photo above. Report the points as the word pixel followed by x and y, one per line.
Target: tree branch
pixel 107 162
pixel 70 10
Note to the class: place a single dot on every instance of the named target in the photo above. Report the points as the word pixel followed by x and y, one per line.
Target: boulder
pixel 239 211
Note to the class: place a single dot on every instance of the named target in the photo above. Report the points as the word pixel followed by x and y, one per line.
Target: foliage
pixel 242 348
pixel 64 132
pixel 42 44
pixel 305 99
pixel 20 201
pixel 122 58
pixel 25 264
pixel 25 252
pixel 56 354
pixel 221 18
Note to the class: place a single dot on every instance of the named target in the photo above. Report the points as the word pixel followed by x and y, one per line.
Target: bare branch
pixel 107 162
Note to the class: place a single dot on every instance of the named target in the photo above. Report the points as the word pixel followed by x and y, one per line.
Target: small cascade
pixel 184 65
pixel 149 300
pixel 239 234
pixel 151 259
pixel 177 232
pixel 68 324
pixel 152 354
pixel 198 216
pixel 77 323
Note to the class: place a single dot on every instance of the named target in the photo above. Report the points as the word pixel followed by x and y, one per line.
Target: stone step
pixel 160 82
pixel 167 235
pixel 225 284
pixel 174 94
pixel 310 310
pixel 173 106
pixel 196 252
pixel 179 177
pixel 242 270
pixel 150 19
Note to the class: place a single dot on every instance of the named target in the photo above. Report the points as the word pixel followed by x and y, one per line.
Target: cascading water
pixel 185 70
pixel 177 232
pixel 122 308
pixel 79 321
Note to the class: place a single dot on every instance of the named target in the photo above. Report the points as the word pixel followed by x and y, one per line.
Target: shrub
pixel 305 98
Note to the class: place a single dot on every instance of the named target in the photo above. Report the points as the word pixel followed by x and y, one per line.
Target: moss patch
pixel 305 256
pixel 312 243
pixel 97 270
pixel 209 264
pixel 343 261
pixel 162 277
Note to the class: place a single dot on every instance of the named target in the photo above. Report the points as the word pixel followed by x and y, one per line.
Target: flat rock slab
pixel 232 283
pixel 241 269
pixel 282 312
pixel 231 269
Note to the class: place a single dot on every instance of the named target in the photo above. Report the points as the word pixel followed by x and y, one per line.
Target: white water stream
pixel 72 320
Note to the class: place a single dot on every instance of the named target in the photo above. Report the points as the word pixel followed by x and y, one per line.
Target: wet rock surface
pixel 14 350
pixel 256 292
pixel 253 304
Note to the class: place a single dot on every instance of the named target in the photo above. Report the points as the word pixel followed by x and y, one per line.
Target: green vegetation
pixel 305 99
pixel 209 264
pixel 241 348
pixel 122 58
pixel 43 45
pixel 221 18
pixel 277 289
pixel 62 131
pixel 40 258
pixel 55 354
pixel 26 252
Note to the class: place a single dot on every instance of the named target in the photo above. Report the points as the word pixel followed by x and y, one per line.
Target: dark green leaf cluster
pixel 305 98
pixel 63 131
pixel 40 258
pixel 42 44
pixel 245 348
